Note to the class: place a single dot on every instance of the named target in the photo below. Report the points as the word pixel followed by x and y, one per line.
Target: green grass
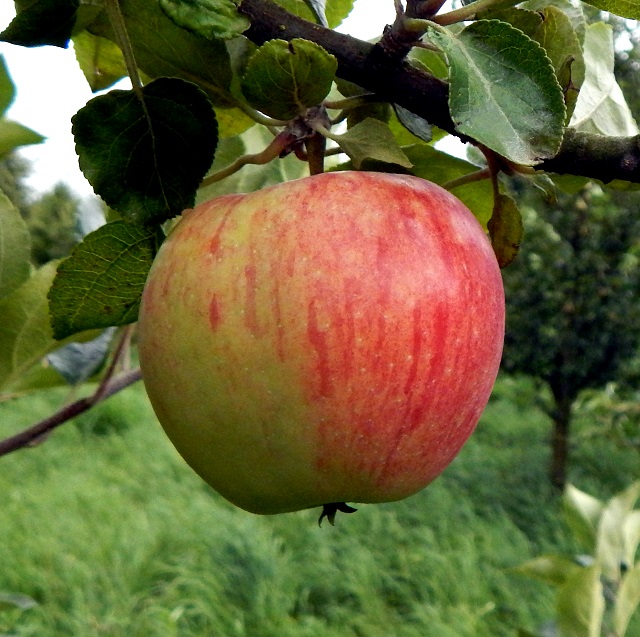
pixel 112 535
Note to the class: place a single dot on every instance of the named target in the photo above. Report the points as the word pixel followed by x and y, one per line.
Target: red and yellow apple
pixel 330 339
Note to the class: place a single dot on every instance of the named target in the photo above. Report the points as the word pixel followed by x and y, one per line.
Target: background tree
pixel 573 300
pixel 52 217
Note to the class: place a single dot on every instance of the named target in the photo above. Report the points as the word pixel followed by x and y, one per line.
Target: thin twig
pixel 275 149
pixel 26 436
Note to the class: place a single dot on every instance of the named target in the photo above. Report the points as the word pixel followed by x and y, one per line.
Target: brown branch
pixel 398 82
pixel 27 436
pixel 359 62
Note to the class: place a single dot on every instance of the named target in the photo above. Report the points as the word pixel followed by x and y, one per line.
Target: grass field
pixel 112 535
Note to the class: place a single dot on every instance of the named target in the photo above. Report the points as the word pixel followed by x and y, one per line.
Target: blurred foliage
pixel 573 306
pixel 598 592
pixel 573 302
pixel 52 217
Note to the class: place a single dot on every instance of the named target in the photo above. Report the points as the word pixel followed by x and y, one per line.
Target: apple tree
pixel 573 316
pixel 232 96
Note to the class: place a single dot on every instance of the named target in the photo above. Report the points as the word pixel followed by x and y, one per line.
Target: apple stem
pixel 329 511
pixel 280 145
pixel 316 145
pixel 469 178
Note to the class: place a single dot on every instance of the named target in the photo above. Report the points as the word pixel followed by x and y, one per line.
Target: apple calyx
pixel 329 511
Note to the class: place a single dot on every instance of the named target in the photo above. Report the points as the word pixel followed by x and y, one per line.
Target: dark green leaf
pixel 208 18
pixel 42 22
pixel 100 284
pixel 15 248
pixel 505 229
pixel 283 79
pixel 162 49
pixel 146 155
pixel 504 92
pixel 601 107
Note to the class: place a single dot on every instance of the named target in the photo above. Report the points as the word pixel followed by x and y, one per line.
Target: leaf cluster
pixel 598 592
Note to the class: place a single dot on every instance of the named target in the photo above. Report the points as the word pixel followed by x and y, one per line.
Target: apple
pixel 326 340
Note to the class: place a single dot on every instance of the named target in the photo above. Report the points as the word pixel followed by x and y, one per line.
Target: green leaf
pixel 601 107
pixel 284 79
pixel 232 121
pixel 440 168
pixel 582 512
pixel 627 600
pixel 25 331
pixel 624 8
pixel 505 229
pixel 15 248
pixel 432 61
pixel 42 22
pixel 37 377
pixel 13 135
pixel 550 569
pixel 611 541
pixel 7 88
pixel 335 10
pixel 207 18
pixel 162 49
pixel 504 92
pixel 100 60
pixel 554 31
pixel 371 139
pixel 146 155
pixel 580 604
pixel 100 283
pixel 573 10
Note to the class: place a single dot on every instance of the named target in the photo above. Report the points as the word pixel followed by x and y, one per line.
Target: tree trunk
pixel 560 440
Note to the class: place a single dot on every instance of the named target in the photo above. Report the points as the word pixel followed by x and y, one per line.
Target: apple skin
pixel 329 339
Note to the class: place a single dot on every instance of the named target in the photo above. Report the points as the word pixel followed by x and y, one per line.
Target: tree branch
pixel 27 436
pixel 399 82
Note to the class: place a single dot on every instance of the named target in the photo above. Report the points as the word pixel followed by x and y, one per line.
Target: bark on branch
pixel 369 66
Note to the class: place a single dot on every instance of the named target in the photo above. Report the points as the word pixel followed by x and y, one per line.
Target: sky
pixel 51 89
